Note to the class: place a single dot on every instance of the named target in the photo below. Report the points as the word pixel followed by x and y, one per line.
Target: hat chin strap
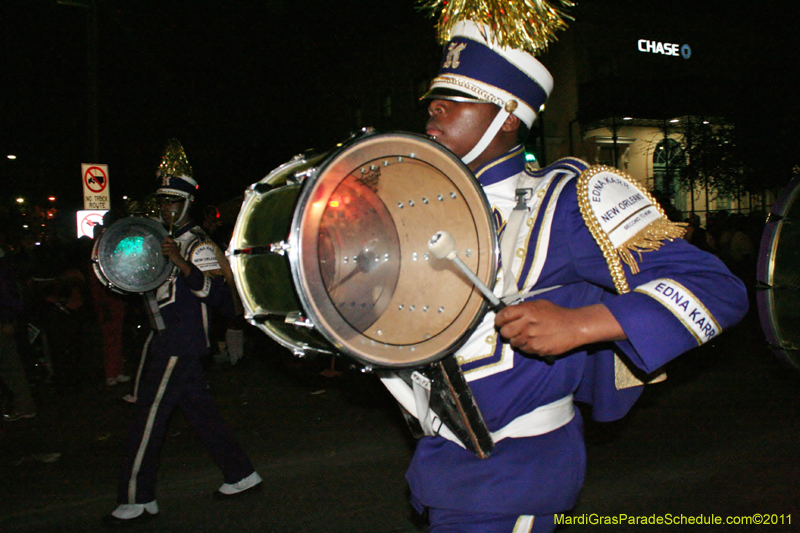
pixel 183 212
pixel 491 131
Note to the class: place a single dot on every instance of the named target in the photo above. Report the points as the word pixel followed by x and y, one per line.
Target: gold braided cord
pixel 174 161
pixel 483 95
pixel 528 25
pixel 602 240
pixel 648 239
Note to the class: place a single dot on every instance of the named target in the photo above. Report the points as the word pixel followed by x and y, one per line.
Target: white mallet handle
pixel 443 246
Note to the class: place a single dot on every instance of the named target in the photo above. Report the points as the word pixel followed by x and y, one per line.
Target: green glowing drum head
pixel 127 256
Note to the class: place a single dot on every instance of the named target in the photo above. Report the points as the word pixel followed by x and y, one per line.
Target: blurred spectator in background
pixel 110 308
pixel 17 400
pixel 696 234
pixel 58 290
pixel 741 252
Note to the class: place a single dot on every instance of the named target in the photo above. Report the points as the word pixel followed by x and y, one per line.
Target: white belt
pixel 541 420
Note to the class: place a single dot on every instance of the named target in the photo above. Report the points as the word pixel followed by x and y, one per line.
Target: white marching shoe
pixel 252 483
pixel 129 513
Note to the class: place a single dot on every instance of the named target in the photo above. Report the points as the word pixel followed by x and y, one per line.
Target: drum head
pixel 127 256
pixel 359 257
pixel 778 274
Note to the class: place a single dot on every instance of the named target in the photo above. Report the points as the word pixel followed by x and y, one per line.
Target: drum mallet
pixel 443 246
pixel 172 213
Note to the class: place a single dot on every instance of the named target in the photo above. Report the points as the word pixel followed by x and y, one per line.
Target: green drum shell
pixel 270 219
pixel 264 281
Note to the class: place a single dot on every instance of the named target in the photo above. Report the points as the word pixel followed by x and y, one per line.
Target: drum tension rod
pixel 274 248
pixel 252 251
pixel 296 318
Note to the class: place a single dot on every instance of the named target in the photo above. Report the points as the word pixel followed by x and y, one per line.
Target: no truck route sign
pixel 95 187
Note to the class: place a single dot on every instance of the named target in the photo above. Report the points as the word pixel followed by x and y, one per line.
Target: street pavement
pixel 718 438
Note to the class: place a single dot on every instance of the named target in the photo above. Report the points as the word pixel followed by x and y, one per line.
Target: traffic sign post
pixel 95 187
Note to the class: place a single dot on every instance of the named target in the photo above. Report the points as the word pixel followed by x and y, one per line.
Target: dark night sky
pixel 244 85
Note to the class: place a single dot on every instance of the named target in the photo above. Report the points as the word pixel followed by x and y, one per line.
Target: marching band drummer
pixel 602 320
pixel 173 376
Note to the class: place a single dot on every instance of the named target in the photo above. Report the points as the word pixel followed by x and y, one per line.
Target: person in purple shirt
pixel 173 375
pixel 581 324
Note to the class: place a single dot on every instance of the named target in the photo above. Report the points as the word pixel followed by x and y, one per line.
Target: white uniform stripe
pixel 524 524
pixel 204 311
pixel 141 365
pixel 137 463
pixel 542 243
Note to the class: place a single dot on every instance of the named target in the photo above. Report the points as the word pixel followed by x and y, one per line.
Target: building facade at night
pixel 643 91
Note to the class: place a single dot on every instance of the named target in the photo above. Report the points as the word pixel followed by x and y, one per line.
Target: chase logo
pixel 667 49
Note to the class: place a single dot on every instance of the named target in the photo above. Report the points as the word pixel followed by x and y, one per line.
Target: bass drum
pixel 778 274
pixel 329 252
pixel 127 256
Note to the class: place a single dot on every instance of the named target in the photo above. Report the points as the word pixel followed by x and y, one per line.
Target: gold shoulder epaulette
pixel 623 218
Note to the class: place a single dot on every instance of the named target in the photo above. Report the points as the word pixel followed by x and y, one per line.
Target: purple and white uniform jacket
pixel 184 301
pixel 681 298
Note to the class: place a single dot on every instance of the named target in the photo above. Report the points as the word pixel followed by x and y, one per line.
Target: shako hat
pixel 476 68
pixel 489 48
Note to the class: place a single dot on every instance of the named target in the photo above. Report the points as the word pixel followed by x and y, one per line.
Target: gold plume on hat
pixel 174 161
pixel 528 25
